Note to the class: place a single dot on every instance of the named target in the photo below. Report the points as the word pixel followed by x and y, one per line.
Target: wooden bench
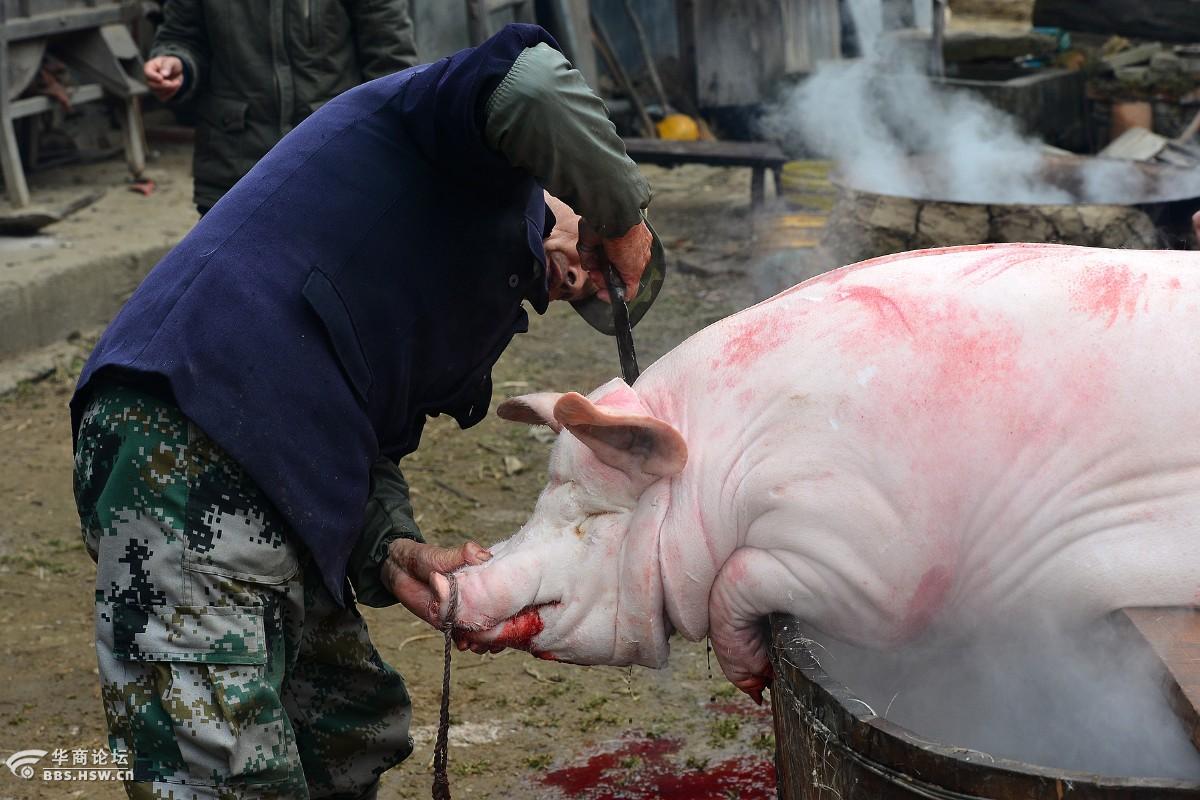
pixel 759 156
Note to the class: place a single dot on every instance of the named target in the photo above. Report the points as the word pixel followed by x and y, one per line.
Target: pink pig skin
pixel 929 441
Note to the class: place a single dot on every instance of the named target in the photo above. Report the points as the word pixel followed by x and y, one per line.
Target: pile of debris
pixel 1143 72
pixel 1148 70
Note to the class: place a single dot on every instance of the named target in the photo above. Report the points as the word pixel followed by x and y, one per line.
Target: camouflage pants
pixel 227 669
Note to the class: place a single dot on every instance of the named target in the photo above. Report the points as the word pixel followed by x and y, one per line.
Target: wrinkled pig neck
pixel 707 517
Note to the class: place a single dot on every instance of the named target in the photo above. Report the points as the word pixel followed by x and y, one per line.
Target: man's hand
pixel 629 253
pixel 164 76
pixel 409 566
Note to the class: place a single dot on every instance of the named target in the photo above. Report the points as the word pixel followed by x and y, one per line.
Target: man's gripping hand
pixel 629 254
pixel 409 568
pixel 164 76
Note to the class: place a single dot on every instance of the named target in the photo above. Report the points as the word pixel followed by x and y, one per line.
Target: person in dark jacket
pixel 239 425
pixel 255 70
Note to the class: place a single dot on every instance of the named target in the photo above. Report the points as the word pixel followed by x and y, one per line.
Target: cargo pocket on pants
pixel 204 671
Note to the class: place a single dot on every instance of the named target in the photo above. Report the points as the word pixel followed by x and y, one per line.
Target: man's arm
pixel 544 118
pixel 515 101
pixel 389 517
pixel 391 562
pixel 383 36
pixel 183 35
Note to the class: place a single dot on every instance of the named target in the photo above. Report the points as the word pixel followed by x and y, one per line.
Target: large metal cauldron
pixel 1151 209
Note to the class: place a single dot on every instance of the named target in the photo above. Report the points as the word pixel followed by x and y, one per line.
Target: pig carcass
pixel 928 441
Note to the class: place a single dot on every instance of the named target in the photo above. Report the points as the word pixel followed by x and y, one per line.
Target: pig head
pixel 581 581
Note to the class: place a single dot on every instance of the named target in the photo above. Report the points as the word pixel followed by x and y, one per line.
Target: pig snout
pixel 519 632
pixel 500 604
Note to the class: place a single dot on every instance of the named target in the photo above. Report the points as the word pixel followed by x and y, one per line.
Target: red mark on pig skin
pixel 752 341
pixel 926 601
pixel 836 276
pixel 985 268
pixel 610 776
pixel 1108 292
pixel 970 362
pixel 891 317
pixel 519 631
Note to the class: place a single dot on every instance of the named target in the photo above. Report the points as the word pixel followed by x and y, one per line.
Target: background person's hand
pixel 629 253
pixel 410 567
pixel 164 76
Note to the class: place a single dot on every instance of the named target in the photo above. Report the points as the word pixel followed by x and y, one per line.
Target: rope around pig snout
pixel 441 747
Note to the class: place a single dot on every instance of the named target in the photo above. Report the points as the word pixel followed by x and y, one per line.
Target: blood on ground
pixel 641 768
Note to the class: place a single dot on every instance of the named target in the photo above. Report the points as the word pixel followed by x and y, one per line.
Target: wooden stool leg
pixel 757 188
pixel 132 133
pixel 10 162
pixel 777 174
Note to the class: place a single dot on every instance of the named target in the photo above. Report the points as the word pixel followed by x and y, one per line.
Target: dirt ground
pixel 522 728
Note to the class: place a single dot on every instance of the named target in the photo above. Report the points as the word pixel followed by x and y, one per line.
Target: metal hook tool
pixel 624 331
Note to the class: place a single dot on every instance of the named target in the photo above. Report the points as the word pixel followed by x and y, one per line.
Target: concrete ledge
pixel 76 276
pixel 61 302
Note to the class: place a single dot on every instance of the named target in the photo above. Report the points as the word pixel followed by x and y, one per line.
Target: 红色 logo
pixel 21 763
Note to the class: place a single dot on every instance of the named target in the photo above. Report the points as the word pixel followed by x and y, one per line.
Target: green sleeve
pixel 183 35
pixel 544 118
pixel 389 517
pixel 383 36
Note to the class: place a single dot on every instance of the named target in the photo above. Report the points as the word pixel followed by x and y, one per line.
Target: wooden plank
pixel 10 152
pixel 609 55
pixel 814 34
pixel 729 154
pixel 647 56
pixel 1133 56
pixel 500 5
pixel 1135 144
pixel 1174 635
pixel 685 24
pixel 27 106
pixel 10 165
pixel 18 28
pixel 575 35
pixel 740 51
pixel 478 28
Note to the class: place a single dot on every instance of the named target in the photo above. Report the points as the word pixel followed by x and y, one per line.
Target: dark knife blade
pixel 624 331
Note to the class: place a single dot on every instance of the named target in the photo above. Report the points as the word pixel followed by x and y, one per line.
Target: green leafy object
pixel 539 761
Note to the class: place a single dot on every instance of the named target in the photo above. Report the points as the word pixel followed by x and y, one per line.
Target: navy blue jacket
pixel 369 271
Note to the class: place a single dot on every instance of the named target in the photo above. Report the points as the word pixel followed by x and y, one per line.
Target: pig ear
pixel 532 409
pixel 636 443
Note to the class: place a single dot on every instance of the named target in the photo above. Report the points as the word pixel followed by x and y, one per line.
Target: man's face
pixel 567 279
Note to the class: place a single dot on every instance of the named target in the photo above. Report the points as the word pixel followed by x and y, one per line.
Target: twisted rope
pixel 441 747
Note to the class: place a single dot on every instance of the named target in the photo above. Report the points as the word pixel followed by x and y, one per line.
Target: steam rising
pixel 1082 700
pixel 870 115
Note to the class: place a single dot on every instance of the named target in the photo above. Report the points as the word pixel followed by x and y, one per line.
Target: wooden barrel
pixel 829 746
